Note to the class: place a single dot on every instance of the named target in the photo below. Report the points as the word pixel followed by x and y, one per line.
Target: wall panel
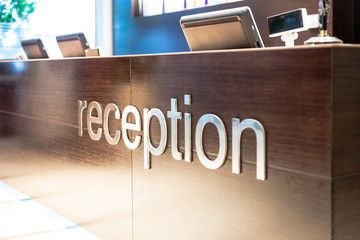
pixel 306 98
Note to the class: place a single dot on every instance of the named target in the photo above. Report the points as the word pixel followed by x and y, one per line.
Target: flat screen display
pixel 72 45
pixel 285 22
pixel 34 48
pixel 224 29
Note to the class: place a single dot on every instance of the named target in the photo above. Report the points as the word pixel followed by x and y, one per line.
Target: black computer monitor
pixel 34 48
pixel 72 45
pixel 224 29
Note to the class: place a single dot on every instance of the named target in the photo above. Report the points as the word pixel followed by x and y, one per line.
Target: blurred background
pixel 25 19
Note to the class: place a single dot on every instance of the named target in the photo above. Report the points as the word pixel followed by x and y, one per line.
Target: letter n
pixel 237 130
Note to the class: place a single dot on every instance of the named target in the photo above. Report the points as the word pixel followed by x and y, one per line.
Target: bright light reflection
pixel 23 218
pixel 58 17
pixel 9 194
pixel 75 233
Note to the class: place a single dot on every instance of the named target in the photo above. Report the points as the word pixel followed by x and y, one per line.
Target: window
pixel 50 19
pixel 57 17
pixel 156 7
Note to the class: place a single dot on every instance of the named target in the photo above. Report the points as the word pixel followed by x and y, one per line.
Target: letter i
pixel 187 118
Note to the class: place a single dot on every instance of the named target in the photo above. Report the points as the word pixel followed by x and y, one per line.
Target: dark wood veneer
pixel 293 104
pixel 306 98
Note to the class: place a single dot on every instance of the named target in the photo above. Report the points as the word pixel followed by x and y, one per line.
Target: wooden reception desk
pixel 306 99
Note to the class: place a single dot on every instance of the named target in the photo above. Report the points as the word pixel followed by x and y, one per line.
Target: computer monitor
pixel 34 48
pixel 72 45
pixel 224 29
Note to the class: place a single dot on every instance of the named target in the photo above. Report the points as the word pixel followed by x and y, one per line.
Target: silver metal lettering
pixel 187 99
pixel 148 147
pixel 220 159
pixel 237 129
pixel 95 116
pixel 131 126
pixel 111 140
pixel 94 119
pixel 81 106
pixel 187 127
pixel 188 148
pixel 174 115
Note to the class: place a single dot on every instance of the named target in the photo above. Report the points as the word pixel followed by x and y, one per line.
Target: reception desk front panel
pixel 64 127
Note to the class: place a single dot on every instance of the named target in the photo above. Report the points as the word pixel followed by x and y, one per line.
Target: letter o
pixel 220 159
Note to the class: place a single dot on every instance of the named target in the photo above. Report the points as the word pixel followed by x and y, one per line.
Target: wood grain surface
pixel 290 94
pixel 346 144
pixel 346 81
pixel 306 99
pixel 41 153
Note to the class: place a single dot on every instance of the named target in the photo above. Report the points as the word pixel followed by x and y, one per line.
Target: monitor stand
pixel 289 38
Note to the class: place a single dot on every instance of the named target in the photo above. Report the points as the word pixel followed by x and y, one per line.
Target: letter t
pixel 174 115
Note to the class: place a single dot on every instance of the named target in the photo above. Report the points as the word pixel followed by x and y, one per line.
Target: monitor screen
pixel 224 29
pixel 288 22
pixel 34 48
pixel 72 45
